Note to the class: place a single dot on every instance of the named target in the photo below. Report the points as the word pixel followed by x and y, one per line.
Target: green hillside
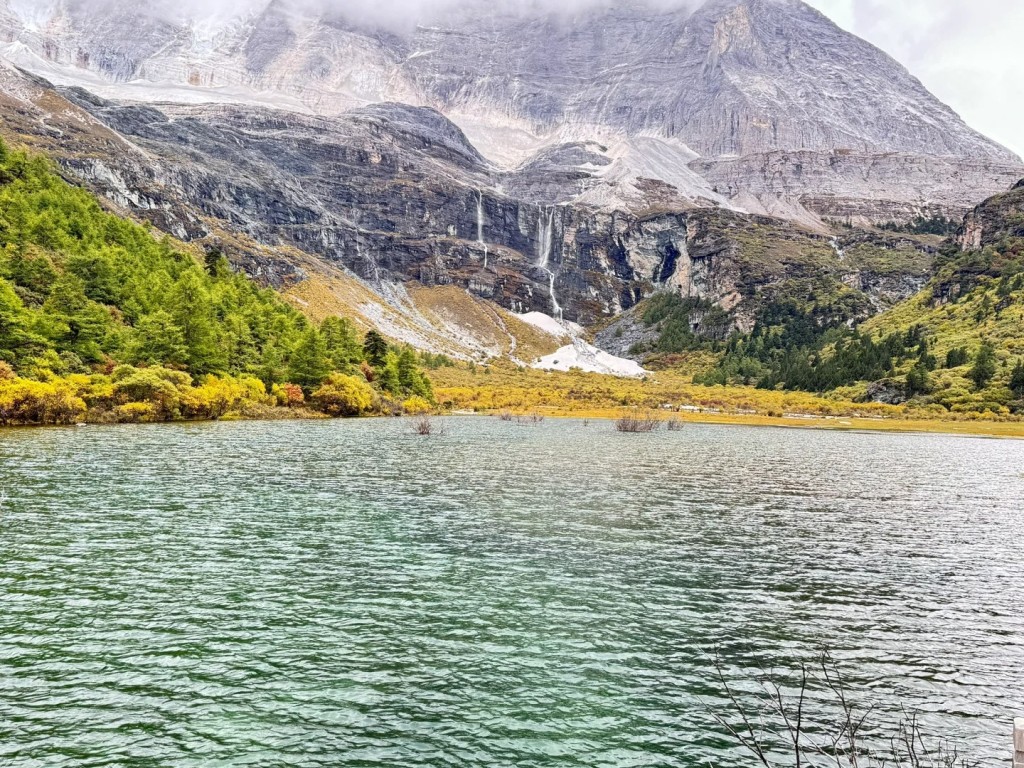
pixel 957 346
pixel 90 301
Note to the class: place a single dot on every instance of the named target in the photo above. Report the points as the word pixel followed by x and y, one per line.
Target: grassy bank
pixel 504 387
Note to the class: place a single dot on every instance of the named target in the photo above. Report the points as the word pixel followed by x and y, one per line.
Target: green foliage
pixel 685 323
pixel 375 349
pixel 82 290
pixel 309 363
pixel 341 343
pixel 957 357
pixel 411 381
pixel 77 280
pixel 918 380
pixel 921 225
pixel 1017 380
pixel 984 368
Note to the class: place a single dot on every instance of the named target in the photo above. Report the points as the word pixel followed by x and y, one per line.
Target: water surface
pixel 347 594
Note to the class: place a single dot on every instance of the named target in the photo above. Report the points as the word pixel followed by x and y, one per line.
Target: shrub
pixel 416 405
pixel 134 413
pixel 37 402
pixel 213 398
pixel 635 423
pixel 288 395
pixel 343 395
pixel 160 386
pixel 425 427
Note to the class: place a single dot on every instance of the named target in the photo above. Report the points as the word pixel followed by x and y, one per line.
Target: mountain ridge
pixel 697 99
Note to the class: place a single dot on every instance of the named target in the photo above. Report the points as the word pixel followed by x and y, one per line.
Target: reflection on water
pixel 344 593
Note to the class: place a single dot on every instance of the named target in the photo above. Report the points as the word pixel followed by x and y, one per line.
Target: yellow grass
pixel 582 395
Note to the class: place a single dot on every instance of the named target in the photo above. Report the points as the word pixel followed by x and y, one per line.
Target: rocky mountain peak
pixel 760 105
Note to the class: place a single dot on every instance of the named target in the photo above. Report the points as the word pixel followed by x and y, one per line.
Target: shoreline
pixel 1008 430
pixel 1003 430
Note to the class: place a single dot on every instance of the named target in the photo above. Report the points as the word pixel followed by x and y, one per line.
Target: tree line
pixel 83 291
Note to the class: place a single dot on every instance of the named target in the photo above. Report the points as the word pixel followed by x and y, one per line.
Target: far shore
pixel 973 428
pixel 966 427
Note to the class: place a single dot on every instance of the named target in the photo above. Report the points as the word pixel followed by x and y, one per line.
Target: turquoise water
pixel 347 594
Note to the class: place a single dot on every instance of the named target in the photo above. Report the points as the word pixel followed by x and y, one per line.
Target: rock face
pixel 762 105
pixel 391 192
pixel 999 217
pixel 571 166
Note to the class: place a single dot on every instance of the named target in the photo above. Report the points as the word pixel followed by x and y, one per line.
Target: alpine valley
pixel 737 193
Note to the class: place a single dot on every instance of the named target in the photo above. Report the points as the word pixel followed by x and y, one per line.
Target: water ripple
pixel 343 593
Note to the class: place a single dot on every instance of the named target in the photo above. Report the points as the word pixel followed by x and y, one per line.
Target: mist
pixel 393 14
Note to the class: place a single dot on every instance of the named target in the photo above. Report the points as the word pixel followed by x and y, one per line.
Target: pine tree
pixel 76 323
pixel 1017 379
pixel 216 263
pixel 387 375
pixel 158 340
pixel 193 313
pixel 309 365
pixel 343 348
pixel 984 366
pixel 956 357
pixel 375 348
pixel 918 380
pixel 15 335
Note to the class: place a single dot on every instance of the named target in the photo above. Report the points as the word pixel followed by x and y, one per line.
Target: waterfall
pixel 840 253
pixel 545 242
pixel 480 223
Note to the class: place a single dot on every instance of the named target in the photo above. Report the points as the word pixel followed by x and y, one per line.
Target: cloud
pixel 388 13
pixel 967 54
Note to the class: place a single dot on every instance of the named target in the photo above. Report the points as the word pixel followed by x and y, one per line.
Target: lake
pixel 347 594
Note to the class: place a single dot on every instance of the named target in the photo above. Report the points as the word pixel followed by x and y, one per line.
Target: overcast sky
pixel 966 52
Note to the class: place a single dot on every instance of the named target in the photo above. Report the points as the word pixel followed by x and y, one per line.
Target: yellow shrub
pixel 134 413
pixel 213 398
pixel 160 386
pixel 416 404
pixel 23 401
pixel 288 395
pixel 343 395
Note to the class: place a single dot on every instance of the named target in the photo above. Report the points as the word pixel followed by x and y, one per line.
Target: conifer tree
pixel 375 349
pixel 309 365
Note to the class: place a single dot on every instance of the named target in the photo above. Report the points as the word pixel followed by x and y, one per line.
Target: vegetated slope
pixel 86 296
pixel 958 345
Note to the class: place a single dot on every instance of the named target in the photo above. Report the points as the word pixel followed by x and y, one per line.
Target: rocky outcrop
pixel 393 193
pixel 999 217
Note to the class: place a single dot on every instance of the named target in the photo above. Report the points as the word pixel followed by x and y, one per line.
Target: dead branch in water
pixel 784 736
pixel 638 422
pixel 530 418
pixel 425 426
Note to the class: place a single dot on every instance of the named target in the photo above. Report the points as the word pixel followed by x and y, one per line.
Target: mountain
pixel 86 296
pixel 570 165
pixel 764 105
pixel 955 346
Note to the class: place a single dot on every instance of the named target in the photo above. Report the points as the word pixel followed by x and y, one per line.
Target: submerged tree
pixel 779 729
